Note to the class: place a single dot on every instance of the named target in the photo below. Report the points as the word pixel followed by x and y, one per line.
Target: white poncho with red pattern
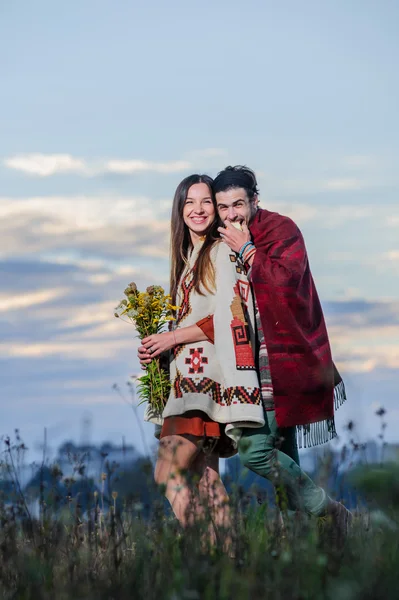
pixel 219 379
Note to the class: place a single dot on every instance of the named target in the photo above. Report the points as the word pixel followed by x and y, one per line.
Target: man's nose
pixel 231 213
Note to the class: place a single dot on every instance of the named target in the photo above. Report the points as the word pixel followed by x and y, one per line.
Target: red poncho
pixel 302 370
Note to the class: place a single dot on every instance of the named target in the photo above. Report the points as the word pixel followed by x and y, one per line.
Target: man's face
pixel 234 205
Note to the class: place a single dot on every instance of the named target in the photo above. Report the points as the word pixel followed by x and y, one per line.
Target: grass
pixel 83 548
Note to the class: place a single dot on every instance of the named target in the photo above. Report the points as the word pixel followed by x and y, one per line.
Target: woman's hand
pixel 153 345
pixel 164 341
pixel 144 357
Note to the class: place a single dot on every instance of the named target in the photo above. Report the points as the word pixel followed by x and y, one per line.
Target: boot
pixel 336 524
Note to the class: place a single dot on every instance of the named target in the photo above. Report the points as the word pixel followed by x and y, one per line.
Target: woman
pixel 214 385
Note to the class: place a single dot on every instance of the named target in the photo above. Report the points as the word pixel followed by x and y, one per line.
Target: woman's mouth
pixel 199 220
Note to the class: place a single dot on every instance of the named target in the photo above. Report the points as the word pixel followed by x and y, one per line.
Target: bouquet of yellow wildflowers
pixel 149 312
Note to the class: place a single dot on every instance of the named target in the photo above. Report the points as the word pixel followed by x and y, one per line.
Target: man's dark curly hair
pixel 236 177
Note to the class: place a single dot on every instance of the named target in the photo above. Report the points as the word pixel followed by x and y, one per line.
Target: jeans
pixel 272 453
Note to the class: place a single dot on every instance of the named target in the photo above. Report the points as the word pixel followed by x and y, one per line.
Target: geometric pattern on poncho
pixel 196 360
pixel 187 285
pixel 240 269
pixel 239 328
pixel 224 397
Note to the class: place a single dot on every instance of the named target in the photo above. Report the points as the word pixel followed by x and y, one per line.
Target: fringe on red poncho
pixel 305 379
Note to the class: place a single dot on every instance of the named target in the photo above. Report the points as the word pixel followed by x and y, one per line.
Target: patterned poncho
pixel 219 379
pixel 301 366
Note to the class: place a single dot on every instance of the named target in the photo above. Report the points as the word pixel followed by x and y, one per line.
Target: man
pixel 298 378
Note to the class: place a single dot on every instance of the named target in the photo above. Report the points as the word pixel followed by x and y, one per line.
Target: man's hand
pixel 234 237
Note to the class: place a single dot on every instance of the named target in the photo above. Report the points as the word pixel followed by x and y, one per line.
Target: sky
pixel 105 107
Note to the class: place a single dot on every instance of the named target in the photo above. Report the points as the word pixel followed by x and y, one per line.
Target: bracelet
pixel 174 337
pixel 242 250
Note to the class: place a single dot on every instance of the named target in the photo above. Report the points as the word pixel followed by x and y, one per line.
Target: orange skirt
pixel 194 422
pixel 198 424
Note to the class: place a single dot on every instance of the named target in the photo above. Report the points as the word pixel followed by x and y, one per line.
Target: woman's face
pixel 199 210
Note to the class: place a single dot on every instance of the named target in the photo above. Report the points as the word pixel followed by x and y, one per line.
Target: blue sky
pixel 105 107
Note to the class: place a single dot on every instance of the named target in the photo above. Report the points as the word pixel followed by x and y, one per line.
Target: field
pixel 99 545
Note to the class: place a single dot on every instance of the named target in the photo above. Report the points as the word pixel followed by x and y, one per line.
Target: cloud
pixel 28 300
pixel 359 161
pixel 386 263
pixel 351 174
pixel 295 187
pixel 364 335
pixel 392 257
pixel 329 216
pixel 360 312
pixel 86 350
pixel 81 228
pixel 344 184
pixel 45 165
pixel 76 321
pixel 301 213
pixel 48 165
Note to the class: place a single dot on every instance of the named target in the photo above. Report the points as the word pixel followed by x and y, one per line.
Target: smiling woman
pixel 198 210
pixel 193 215
pixel 214 385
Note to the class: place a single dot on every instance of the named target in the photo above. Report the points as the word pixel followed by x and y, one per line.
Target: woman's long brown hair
pixel 181 244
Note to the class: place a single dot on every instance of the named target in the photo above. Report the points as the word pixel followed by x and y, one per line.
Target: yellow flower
pixel 149 311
